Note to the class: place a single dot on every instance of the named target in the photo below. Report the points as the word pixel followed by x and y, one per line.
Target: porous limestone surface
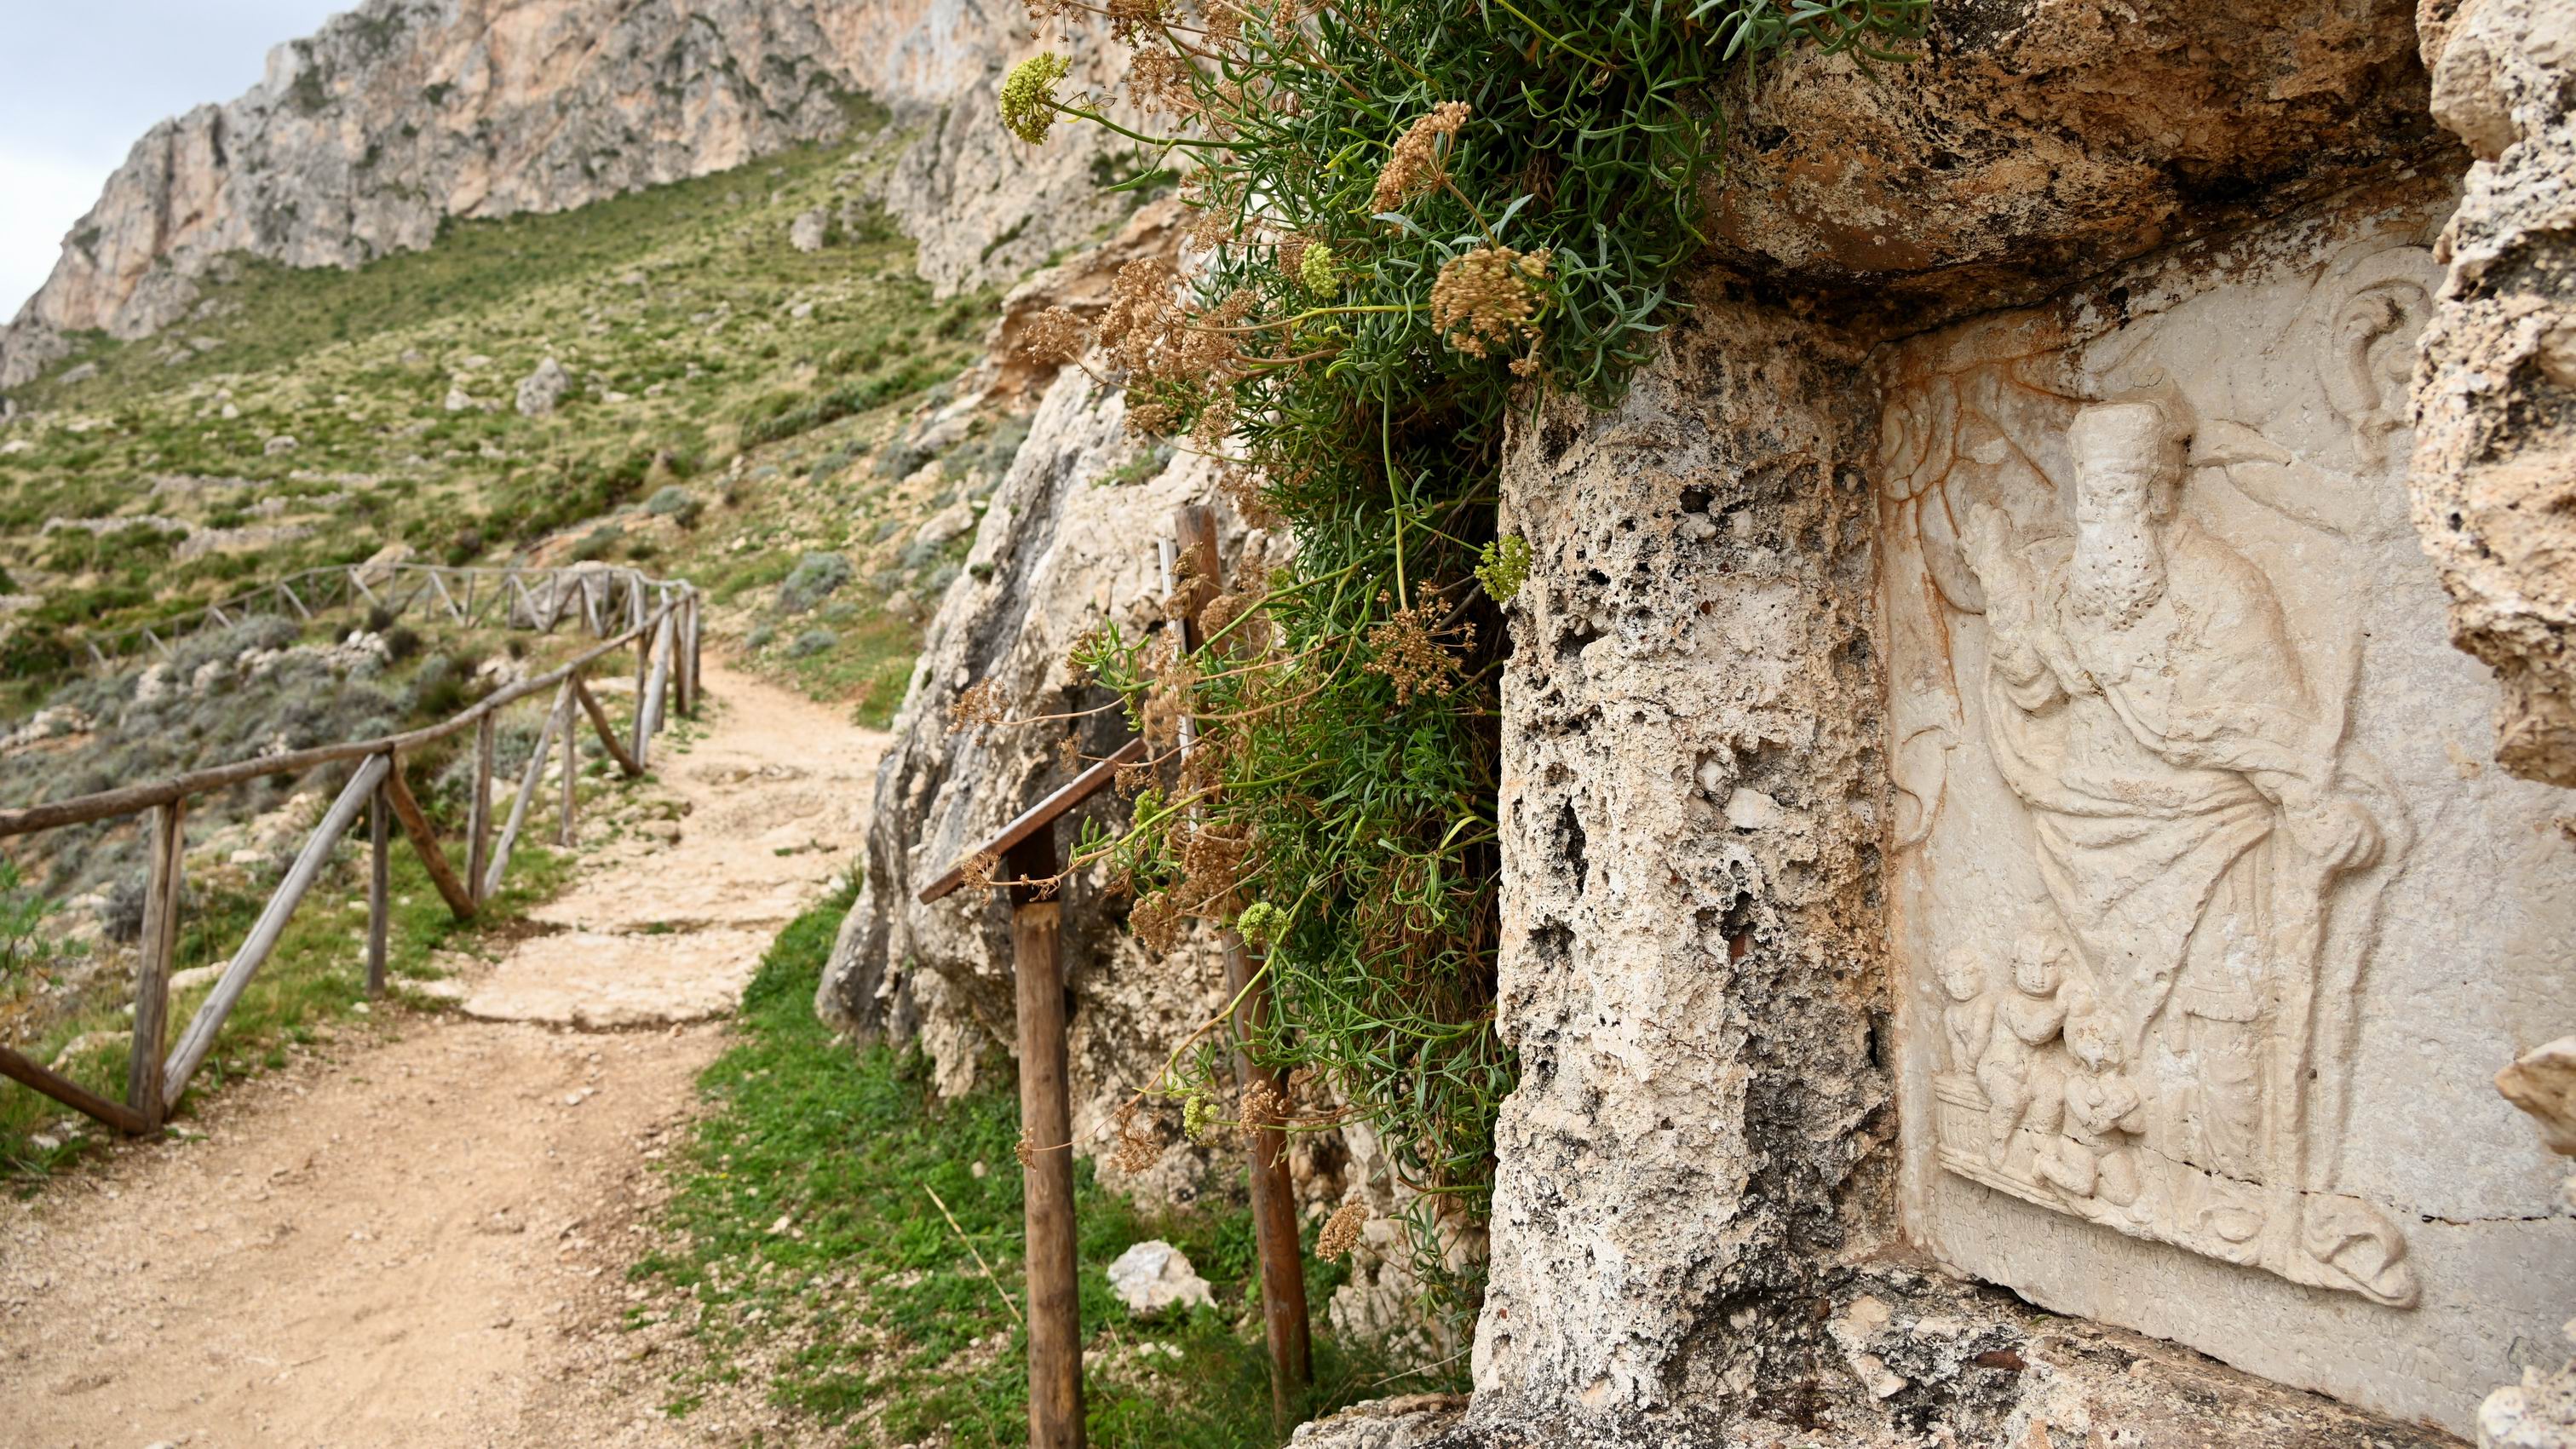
pixel 1154 1277
pixel 1694 1003
pixel 2495 386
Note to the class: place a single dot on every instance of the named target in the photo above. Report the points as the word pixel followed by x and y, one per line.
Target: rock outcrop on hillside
pixel 362 139
pixel 1063 548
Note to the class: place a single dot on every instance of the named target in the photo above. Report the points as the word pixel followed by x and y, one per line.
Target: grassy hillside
pixel 729 393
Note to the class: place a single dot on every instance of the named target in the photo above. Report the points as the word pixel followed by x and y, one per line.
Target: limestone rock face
pixel 2495 386
pixel 1058 552
pixel 1915 855
pixel 399 114
pixel 2035 139
pixel 1691 1003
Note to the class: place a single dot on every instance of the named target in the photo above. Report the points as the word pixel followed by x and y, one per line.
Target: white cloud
pixel 46 195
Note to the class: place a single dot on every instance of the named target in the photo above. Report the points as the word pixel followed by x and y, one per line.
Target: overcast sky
pixel 81 79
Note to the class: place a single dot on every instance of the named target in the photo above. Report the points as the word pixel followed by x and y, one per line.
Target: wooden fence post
pixel 1046 1122
pixel 1274 1199
pixel 478 815
pixel 1027 849
pixel 380 812
pixel 643 676
pixel 688 659
pixel 571 763
pixel 660 681
pixel 166 834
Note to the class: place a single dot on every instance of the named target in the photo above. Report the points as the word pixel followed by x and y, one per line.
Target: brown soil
pixel 418 1236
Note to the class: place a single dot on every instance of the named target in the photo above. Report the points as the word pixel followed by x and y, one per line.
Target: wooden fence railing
pixel 597 597
pixel 660 620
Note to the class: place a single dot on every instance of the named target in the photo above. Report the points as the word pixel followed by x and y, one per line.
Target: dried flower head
pixel 1219 615
pixel 1169 698
pixel 1028 95
pixel 1487 298
pixel 1215 424
pixel 1131 777
pixel 1141 314
pixel 1408 653
pixel 978 703
pixel 1068 752
pixel 978 870
pixel 1240 485
pixel 1263 1106
pixel 1156 923
pixel 1212 861
pixel 1026 1149
pixel 1341 1232
pixel 1159 80
pixel 1055 335
pixel 1139 1146
pixel 1130 20
pixel 1415 166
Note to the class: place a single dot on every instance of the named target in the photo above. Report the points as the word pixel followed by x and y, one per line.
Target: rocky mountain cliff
pixel 364 138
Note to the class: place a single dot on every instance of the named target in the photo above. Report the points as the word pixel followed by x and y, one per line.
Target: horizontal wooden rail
pixel 1036 818
pixel 346 584
pixel 664 637
pixel 104 804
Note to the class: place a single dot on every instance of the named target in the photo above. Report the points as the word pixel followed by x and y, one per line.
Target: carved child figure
pixel 2020 1082
pixel 1969 1018
pixel 2103 1112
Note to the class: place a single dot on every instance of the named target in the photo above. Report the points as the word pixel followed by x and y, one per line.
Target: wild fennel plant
pixel 1410 216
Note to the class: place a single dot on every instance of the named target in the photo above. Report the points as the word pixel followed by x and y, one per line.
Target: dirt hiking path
pixel 408 1239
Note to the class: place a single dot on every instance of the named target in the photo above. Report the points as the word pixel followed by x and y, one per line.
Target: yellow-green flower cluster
pixel 1028 95
pixel 1317 270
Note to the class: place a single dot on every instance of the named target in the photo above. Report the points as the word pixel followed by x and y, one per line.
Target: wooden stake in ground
pixel 1274 1198
pixel 1046 1122
pixel 165 831
pixel 1026 848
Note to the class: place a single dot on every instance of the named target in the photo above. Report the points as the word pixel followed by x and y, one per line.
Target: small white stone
pixel 1154 1276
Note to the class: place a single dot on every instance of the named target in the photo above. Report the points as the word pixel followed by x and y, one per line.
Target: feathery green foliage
pixel 1500 193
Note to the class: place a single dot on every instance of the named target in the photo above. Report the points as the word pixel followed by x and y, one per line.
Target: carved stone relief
pixel 2152 630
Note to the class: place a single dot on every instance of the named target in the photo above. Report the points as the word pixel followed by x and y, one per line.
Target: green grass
pixel 893 1331
pixel 697 335
pixel 316 976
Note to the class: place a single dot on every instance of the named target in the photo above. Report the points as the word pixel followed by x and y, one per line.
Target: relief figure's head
pixel 2093 1042
pixel 2039 961
pixel 1963 974
pixel 2128 476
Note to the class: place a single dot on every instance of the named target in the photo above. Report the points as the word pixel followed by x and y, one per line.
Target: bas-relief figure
pixel 2160 1044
